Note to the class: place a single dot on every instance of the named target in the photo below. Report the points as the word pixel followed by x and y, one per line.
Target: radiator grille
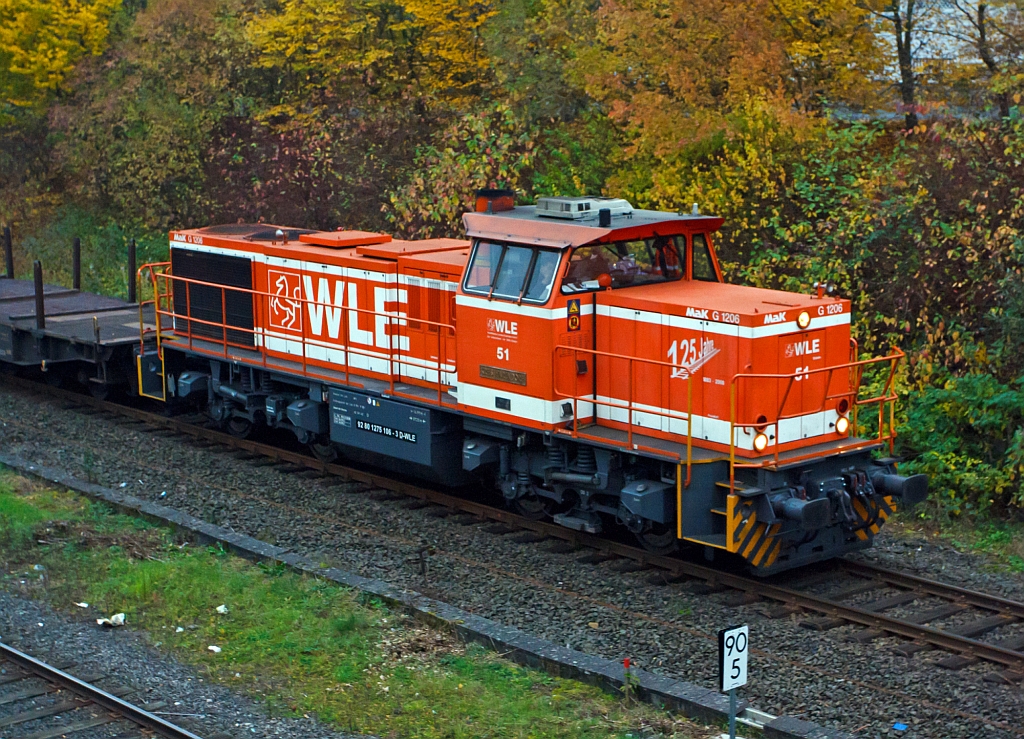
pixel 204 303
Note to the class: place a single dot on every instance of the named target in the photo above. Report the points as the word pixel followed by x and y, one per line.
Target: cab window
pixel 511 272
pixel 543 276
pixel 703 267
pixel 515 263
pixel 625 263
pixel 481 271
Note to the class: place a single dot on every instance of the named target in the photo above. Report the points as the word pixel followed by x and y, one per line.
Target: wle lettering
pixel 803 348
pixel 328 300
pixel 503 326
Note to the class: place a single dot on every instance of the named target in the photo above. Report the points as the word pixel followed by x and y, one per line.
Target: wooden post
pixel 131 271
pixel 37 273
pixel 76 264
pixel 8 253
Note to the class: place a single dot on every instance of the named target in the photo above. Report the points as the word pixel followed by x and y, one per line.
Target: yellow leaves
pixel 452 46
pixel 42 40
pixel 433 45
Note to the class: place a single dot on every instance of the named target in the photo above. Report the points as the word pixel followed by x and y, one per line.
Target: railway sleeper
pixel 1004 677
pixel 968 630
pixel 89 723
pixel 742 598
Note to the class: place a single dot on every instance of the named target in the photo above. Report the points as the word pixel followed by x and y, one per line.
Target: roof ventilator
pixel 578 208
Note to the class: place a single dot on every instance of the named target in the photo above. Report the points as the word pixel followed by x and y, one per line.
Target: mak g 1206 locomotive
pixel 584 358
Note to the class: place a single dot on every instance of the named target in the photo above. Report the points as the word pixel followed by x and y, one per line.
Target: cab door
pixel 506 313
pixel 576 365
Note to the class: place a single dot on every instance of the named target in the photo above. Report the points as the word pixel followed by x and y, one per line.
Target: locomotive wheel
pixel 660 538
pixel 240 428
pixel 533 507
pixel 324 452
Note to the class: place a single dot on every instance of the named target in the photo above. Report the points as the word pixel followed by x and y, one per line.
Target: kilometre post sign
pixel 732 657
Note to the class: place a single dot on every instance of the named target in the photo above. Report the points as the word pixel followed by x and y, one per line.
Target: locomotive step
pixel 710 540
pixel 741 489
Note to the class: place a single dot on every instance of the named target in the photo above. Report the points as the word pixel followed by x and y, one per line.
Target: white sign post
pixel 732 666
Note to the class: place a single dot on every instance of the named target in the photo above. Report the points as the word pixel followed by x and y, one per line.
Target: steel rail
pixel 933 587
pixel 676 567
pixel 98 696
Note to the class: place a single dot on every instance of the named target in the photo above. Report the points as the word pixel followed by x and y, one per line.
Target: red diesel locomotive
pixel 582 357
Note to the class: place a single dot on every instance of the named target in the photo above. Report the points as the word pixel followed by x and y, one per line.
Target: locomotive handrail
pixel 445 333
pixel 628 405
pixel 150 268
pixel 856 367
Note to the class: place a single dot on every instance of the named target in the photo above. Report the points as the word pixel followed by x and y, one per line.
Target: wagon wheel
pixel 240 428
pixel 324 452
pixel 532 506
pixel 659 538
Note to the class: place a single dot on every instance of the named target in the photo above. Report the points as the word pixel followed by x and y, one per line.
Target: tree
pixel 993 32
pixel 431 50
pixel 534 45
pixel 906 23
pixel 677 72
pixel 832 51
pixel 40 43
pixel 131 138
pixel 489 148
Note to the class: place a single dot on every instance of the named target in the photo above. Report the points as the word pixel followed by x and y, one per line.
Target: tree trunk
pixel 903 28
pixel 986 56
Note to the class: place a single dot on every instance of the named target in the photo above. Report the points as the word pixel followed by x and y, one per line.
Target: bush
pixel 966 435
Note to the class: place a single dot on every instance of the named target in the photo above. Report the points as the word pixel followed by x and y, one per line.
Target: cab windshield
pixel 625 263
pixel 512 272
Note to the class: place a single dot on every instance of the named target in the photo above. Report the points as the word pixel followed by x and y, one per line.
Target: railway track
pixel 924 614
pixel 41 701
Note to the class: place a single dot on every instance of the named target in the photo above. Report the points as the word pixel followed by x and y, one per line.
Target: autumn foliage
pixel 835 153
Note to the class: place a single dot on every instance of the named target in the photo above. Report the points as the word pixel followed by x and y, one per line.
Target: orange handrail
pixel 260 299
pixel 628 405
pixel 854 367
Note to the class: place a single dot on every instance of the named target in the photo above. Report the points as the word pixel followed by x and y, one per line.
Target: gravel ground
pixel 820 676
pixel 127 660
pixel 926 557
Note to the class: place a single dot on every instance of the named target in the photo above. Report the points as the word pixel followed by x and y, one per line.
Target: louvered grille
pixel 205 302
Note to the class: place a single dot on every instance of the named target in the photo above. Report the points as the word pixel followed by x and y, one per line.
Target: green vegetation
pixel 833 153
pixel 299 644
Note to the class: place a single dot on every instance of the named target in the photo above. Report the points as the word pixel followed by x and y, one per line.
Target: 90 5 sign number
pixel 732 656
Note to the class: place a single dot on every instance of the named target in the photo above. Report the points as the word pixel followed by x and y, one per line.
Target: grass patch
pixel 298 643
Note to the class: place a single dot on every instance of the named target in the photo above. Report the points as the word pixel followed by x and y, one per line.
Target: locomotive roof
pixel 524 225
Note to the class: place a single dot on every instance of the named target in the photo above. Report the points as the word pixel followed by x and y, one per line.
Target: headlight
pixel 760 442
pixel 803 320
pixel 842 425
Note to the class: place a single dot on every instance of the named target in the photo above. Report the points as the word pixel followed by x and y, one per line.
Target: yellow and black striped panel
pixel 753 540
pixel 873 511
